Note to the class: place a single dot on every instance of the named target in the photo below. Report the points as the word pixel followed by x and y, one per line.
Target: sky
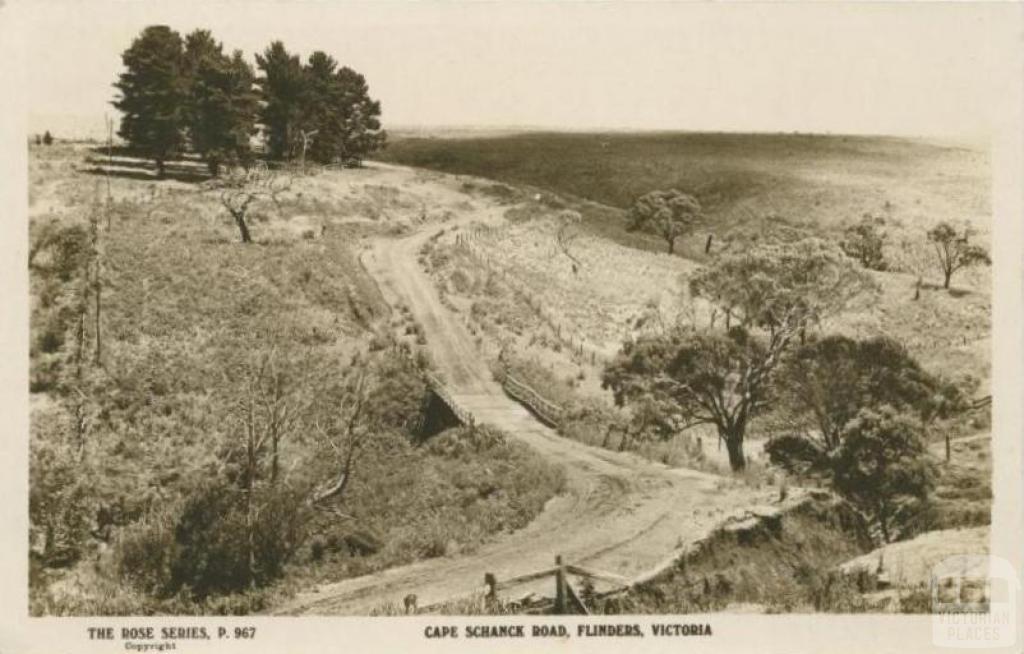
pixel 911 68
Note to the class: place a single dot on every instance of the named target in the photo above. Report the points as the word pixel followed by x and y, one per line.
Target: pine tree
pixel 222 104
pixel 153 94
pixel 319 109
pixel 281 87
pixel 336 104
pixel 360 126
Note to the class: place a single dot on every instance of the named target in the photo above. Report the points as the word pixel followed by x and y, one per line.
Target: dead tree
pixel 239 190
pixel 110 157
pixel 265 408
pixel 343 432
pixel 307 137
pixel 97 283
pixel 567 234
pixel 280 399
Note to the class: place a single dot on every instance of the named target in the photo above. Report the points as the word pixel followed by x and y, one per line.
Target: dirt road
pixel 620 513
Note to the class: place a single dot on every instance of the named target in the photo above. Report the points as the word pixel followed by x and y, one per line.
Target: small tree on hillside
pixel 669 214
pixel 881 466
pixel 242 188
pixel 913 256
pixel 47 138
pixel 566 234
pixel 153 95
pixel 953 251
pixel 865 241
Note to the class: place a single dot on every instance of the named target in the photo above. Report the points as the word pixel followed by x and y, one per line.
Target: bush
pixel 145 552
pixel 461 443
pixel 60 504
pixel 865 242
pixel 203 548
pixel 882 468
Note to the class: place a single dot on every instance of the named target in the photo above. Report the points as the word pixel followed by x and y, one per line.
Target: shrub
pixel 865 241
pixel 60 503
pixel 203 547
pixel 145 552
pixel 881 467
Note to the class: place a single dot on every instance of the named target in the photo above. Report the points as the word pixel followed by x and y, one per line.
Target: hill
pixel 815 182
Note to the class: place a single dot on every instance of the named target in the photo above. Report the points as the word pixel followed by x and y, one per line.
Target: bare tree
pixel 307 137
pixel 96 258
pixel 913 257
pixel 342 430
pixel 240 189
pixel 266 408
pixel 566 235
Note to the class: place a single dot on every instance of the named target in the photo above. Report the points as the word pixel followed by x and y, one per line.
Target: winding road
pixel 619 513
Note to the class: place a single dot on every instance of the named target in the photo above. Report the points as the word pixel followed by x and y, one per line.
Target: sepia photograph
pixel 526 321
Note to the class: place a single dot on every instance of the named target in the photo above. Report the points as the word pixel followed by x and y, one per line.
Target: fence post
pixel 491 582
pixel 560 586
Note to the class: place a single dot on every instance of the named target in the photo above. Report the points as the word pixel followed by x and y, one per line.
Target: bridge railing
pixel 547 411
pixel 438 386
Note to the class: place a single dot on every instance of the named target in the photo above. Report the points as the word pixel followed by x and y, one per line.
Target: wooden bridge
pixel 545 410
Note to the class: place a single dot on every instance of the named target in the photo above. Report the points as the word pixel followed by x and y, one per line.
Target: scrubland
pixel 123 437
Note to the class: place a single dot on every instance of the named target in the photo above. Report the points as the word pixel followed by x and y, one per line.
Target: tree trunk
pixel 250 486
pixel 99 340
pixel 273 461
pixel 949 448
pixel 948 274
pixel 883 523
pixel 734 445
pixel 160 168
pixel 917 289
pixel 243 228
pixel 214 167
pixel 707 246
pixel 671 245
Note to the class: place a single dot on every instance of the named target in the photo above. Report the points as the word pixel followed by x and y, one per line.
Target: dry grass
pixel 909 563
pixel 182 298
pixel 813 181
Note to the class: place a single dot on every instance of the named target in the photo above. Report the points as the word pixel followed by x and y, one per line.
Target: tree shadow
pixel 116 150
pixel 126 152
pixel 148 174
pixel 952 290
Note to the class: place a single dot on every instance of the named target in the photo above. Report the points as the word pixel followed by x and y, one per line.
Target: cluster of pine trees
pixel 179 95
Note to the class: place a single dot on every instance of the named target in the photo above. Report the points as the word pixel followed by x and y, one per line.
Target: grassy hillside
pixel 134 440
pixel 811 181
